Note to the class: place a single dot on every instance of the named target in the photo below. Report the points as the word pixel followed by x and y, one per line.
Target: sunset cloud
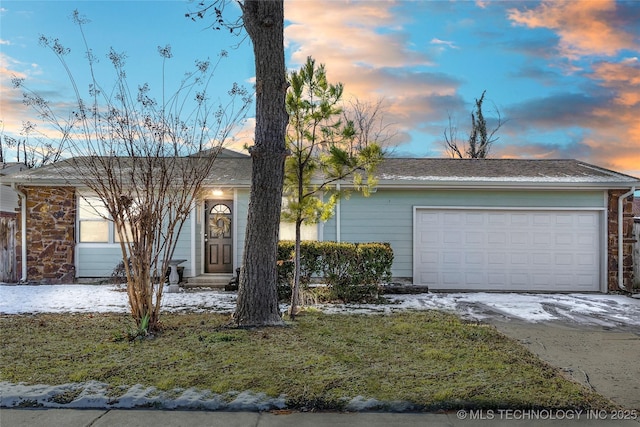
pixel 12 110
pixel 584 27
pixel 364 46
pixel 565 74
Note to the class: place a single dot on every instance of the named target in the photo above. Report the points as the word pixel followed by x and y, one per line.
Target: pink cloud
pixel 364 46
pixel 584 27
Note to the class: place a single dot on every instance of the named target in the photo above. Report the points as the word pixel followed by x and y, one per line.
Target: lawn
pixel 432 359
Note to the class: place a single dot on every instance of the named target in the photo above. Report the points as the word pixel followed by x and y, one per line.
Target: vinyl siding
pixel 242 211
pixel 99 260
pixel 387 215
pixel 199 213
pixel 8 199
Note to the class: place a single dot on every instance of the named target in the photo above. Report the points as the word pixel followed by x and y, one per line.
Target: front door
pixel 218 237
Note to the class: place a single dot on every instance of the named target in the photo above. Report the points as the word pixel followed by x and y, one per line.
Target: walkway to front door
pixel 218 237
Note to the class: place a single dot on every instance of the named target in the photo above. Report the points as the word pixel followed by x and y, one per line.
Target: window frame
pixel 112 235
pixel 86 202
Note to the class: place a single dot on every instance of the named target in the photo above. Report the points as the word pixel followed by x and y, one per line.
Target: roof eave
pixel 424 184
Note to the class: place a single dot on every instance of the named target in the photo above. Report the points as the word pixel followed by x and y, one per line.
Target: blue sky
pixel 564 74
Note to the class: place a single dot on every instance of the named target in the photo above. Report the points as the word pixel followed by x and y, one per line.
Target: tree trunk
pixel 257 303
pixel 296 294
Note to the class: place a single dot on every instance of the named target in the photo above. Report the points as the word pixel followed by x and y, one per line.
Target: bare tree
pixel 368 121
pixel 480 139
pixel 141 159
pixel 257 303
pixel 31 149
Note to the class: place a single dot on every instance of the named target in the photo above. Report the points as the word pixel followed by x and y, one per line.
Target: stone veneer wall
pixel 51 217
pixel 628 241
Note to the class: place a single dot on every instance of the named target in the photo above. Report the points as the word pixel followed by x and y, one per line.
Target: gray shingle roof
pixel 236 171
pixel 497 170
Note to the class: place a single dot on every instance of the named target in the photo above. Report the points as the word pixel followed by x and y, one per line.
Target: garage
pixel 508 249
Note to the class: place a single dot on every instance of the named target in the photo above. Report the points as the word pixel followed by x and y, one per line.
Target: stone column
pixel 51 220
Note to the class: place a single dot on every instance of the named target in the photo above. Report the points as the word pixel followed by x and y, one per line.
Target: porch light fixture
pixel 217 192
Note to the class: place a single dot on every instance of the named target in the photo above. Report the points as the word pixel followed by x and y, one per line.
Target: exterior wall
pixel 612 241
pixel 50 233
pixel 242 211
pixel 99 259
pixel 387 215
pixel 8 200
pixel 183 247
pixel 636 254
pixel 198 242
pixel 8 272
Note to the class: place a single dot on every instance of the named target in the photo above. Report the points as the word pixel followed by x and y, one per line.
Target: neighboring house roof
pixel 11 168
pixel 404 172
pixel 8 197
pixel 636 208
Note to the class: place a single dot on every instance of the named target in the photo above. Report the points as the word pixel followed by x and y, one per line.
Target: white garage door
pixel 512 250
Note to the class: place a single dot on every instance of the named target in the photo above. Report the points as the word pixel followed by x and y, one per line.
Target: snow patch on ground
pixel 589 309
pixel 94 394
pixel 530 307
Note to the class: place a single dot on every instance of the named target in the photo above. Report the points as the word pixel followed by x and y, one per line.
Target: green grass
pixel 432 359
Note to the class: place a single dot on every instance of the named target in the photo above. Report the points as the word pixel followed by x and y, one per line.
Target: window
pixel 288 229
pixel 307 232
pixel 94 228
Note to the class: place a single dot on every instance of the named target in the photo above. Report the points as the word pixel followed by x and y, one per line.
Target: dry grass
pixel 431 359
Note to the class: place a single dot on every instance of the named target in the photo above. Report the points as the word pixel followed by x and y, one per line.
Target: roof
pixel 11 168
pixel 635 209
pixel 402 172
pixel 499 172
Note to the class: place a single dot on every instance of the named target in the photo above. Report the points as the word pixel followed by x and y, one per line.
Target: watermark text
pixel 546 414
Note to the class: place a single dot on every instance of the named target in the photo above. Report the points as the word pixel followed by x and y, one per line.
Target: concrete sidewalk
pixel 158 418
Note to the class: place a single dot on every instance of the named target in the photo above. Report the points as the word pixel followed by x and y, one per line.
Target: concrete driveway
pixel 594 339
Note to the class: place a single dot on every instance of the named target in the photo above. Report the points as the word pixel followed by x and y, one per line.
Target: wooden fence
pixel 8 249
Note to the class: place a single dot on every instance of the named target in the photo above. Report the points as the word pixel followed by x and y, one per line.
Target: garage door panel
pixel 519 238
pixel 495 259
pixel 474 238
pixel 506 250
pixel 542 259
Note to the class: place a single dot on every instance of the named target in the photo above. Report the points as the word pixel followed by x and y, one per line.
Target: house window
pixel 307 232
pixel 288 229
pixel 93 225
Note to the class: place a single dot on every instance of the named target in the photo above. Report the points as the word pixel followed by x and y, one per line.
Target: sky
pixel 563 75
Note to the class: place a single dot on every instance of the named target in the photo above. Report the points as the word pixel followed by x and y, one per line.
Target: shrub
pixel 352 271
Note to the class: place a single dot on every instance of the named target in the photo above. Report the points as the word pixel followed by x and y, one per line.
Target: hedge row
pixel 351 271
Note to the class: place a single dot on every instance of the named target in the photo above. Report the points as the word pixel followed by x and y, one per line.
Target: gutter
pixel 621 239
pixel 23 233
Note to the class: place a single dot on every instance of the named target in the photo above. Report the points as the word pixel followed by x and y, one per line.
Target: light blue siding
pixel 99 260
pixel 183 247
pixel 242 210
pixel 199 243
pixel 387 215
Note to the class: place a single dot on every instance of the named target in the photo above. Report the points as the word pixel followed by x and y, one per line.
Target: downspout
pixel 621 239
pixel 23 233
